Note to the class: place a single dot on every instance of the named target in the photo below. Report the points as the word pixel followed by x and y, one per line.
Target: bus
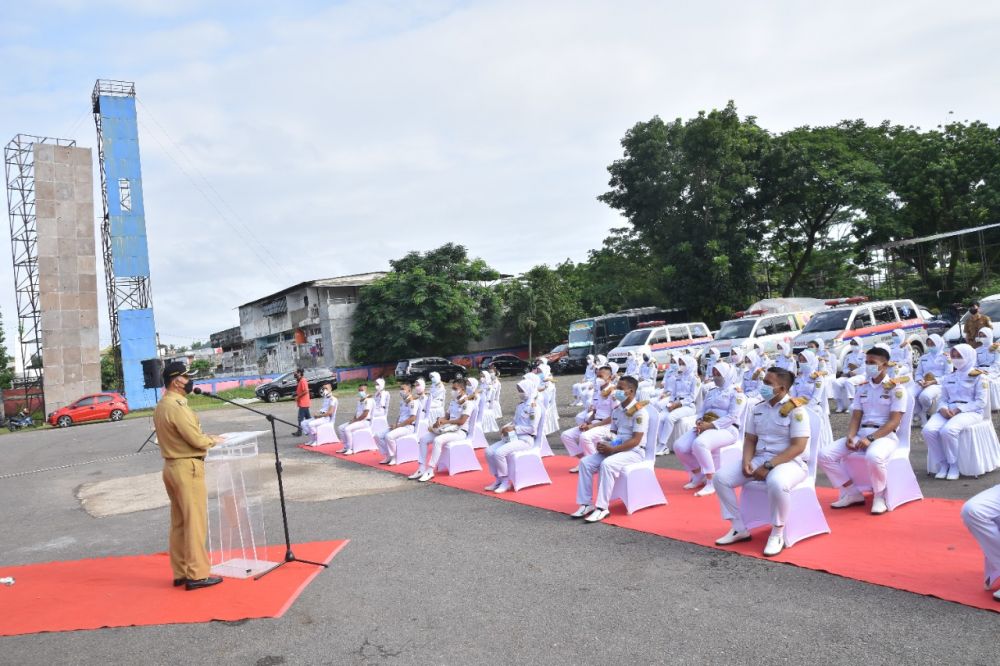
pixel 599 335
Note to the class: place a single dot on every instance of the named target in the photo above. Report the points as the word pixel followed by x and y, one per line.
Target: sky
pixel 290 141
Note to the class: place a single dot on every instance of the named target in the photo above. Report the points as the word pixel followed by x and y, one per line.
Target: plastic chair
pixel 460 456
pixel 805 516
pixel 901 483
pixel 326 433
pixel 995 393
pixel 978 446
pixel 408 446
pixel 479 436
pixel 525 468
pixel 637 486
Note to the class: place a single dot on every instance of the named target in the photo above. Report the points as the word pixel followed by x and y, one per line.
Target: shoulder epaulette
pixel 818 374
pixel 756 374
pixel 792 403
pixel 636 407
pixel 606 391
pixel 994 347
pixel 975 372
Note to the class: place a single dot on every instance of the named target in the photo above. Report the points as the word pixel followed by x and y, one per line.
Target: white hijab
pixel 527 387
pixel 967 358
pixel 728 373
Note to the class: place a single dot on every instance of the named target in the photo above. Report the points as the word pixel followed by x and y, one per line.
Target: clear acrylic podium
pixel 236 539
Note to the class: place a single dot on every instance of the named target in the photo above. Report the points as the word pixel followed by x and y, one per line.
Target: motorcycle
pixel 21 420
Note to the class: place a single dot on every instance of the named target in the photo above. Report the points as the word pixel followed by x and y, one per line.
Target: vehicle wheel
pixel 272 396
pixel 64 422
pixel 918 351
pixel 117 415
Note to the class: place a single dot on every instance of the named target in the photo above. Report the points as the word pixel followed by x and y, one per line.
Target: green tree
pixel 687 189
pixel 618 276
pixel 811 180
pixel 542 302
pixel 6 373
pixel 203 366
pixel 197 344
pixel 109 380
pixel 431 303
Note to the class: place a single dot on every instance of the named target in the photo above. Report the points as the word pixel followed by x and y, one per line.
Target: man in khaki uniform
pixel 183 446
pixel 975 323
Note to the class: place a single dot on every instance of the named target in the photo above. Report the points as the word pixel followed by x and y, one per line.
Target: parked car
pixel 766 328
pixel 95 407
pixel 506 364
pixel 850 318
pixel 284 386
pixel 557 354
pixel 656 338
pixel 989 306
pixel 411 368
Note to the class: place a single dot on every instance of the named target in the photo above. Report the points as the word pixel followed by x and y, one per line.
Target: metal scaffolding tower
pixel 19 169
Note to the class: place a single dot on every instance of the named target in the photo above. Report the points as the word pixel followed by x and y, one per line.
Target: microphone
pixel 198 391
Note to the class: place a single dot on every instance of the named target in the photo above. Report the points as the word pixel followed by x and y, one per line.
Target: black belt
pixel 201 458
pixel 870 425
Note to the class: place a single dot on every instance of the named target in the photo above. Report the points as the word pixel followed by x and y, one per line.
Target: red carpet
pixel 921 547
pixel 137 591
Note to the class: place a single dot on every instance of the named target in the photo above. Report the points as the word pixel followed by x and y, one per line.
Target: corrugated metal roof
pixel 356 280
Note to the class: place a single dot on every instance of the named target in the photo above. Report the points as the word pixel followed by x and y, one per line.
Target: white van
pixel 767 329
pixel 851 318
pixel 658 339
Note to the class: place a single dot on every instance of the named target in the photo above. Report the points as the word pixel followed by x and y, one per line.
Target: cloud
pixel 330 139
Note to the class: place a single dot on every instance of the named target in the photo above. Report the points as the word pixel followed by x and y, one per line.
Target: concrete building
pixel 67 273
pixel 307 325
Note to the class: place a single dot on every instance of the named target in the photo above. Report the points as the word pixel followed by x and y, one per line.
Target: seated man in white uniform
pixel 518 435
pixel 774 451
pixel 963 399
pixel 452 429
pixel 648 371
pixel 362 419
pixel 406 423
pixel 934 365
pixel 876 413
pixel 681 402
pixel 981 516
pixel 715 428
pixel 628 425
pixel 582 387
pixel 328 410
pixel 582 440
pixel 852 375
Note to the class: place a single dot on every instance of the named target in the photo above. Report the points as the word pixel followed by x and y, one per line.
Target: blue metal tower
pixel 123 232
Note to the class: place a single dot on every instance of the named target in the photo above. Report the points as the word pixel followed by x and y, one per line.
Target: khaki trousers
pixel 184 480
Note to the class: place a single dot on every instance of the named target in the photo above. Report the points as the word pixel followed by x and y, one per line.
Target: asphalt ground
pixel 435 575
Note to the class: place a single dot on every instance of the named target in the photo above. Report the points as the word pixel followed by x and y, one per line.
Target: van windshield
pixel 831 320
pixel 737 328
pixel 635 338
pixel 581 333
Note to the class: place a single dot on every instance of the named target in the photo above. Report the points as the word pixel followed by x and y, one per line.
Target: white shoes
pixel 502 488
pixel 942 471
pixel 663 452
pixel 392 461
pixel 952 473
pixel 575 470
pixel 708 489
pixel 775 544
pixel 597 515
pixel 384 461
pixel 996 595
pixel 696 481
pixel 732 536
pixel 492 486
pixel 848 499
pixel 426 476
pixel 879 506
pixel 416 475
pixel 582 511
pixel 348 452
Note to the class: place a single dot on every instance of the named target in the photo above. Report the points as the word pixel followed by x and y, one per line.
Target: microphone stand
pixel 271 418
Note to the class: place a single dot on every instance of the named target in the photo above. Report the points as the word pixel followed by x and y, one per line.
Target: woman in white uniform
pixel 436 408
pixel 810 386
pixel 933 366
pixel 852 375
pixel 785 359
pixel 680 403
pixel 518 435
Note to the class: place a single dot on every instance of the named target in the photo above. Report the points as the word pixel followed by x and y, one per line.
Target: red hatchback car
pixel 96 407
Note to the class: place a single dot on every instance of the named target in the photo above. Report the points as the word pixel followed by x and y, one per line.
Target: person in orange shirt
pixel 302 399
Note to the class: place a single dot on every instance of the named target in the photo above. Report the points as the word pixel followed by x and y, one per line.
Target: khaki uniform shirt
pixel 973 325
pixel 178 430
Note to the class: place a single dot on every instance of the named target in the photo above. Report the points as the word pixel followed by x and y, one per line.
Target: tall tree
pixel 430 303
pixel 810 180
pixel 687 190
pixel 542 302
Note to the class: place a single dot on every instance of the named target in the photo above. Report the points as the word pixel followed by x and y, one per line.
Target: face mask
pixel 598 382
pixel 456 393
pixel 326 393
pixel 872 371
pixel 469 391
pixel 766 391
pixel 403 395
pixel 189 387
pixel 620 395
pixel 362 395
pixel 522 397
pixel 974 310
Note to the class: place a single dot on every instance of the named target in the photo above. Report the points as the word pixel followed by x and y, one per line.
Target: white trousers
pixel 668 421
pixel 843 390
pixel 925 397
pixel 941 435
pixel 831 459
pixel 584 442
pixel 438 442
pixel 981 516
pixel 779 480
pixel 309 425
pixel 347 430
pixel 496 454
pixel 609 467
pixel 386 441
pixel 695 451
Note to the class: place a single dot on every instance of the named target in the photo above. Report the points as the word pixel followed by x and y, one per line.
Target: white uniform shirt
pixel 368 404
pixel 751 385
pixel 466 409
pixel 964 391
pixel 527 416
pixel 408 408
pixel 603 406
pixel 902 357
pixel 774 431
pixel 624 426
pixel 986 359
pixel 437 395
pixel 786 362
pixel 590 374
pixel 669 377
pixel 809 388
pixel 876 403
pixel 725 404
pixel 938 365
pixel 327 403
pixel 857 359
pixel 381 402
pixel 648 371
pixel 685 389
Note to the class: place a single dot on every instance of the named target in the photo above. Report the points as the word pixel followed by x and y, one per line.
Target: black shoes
pixel 297 433
pixel 179 581
pixel 204 582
